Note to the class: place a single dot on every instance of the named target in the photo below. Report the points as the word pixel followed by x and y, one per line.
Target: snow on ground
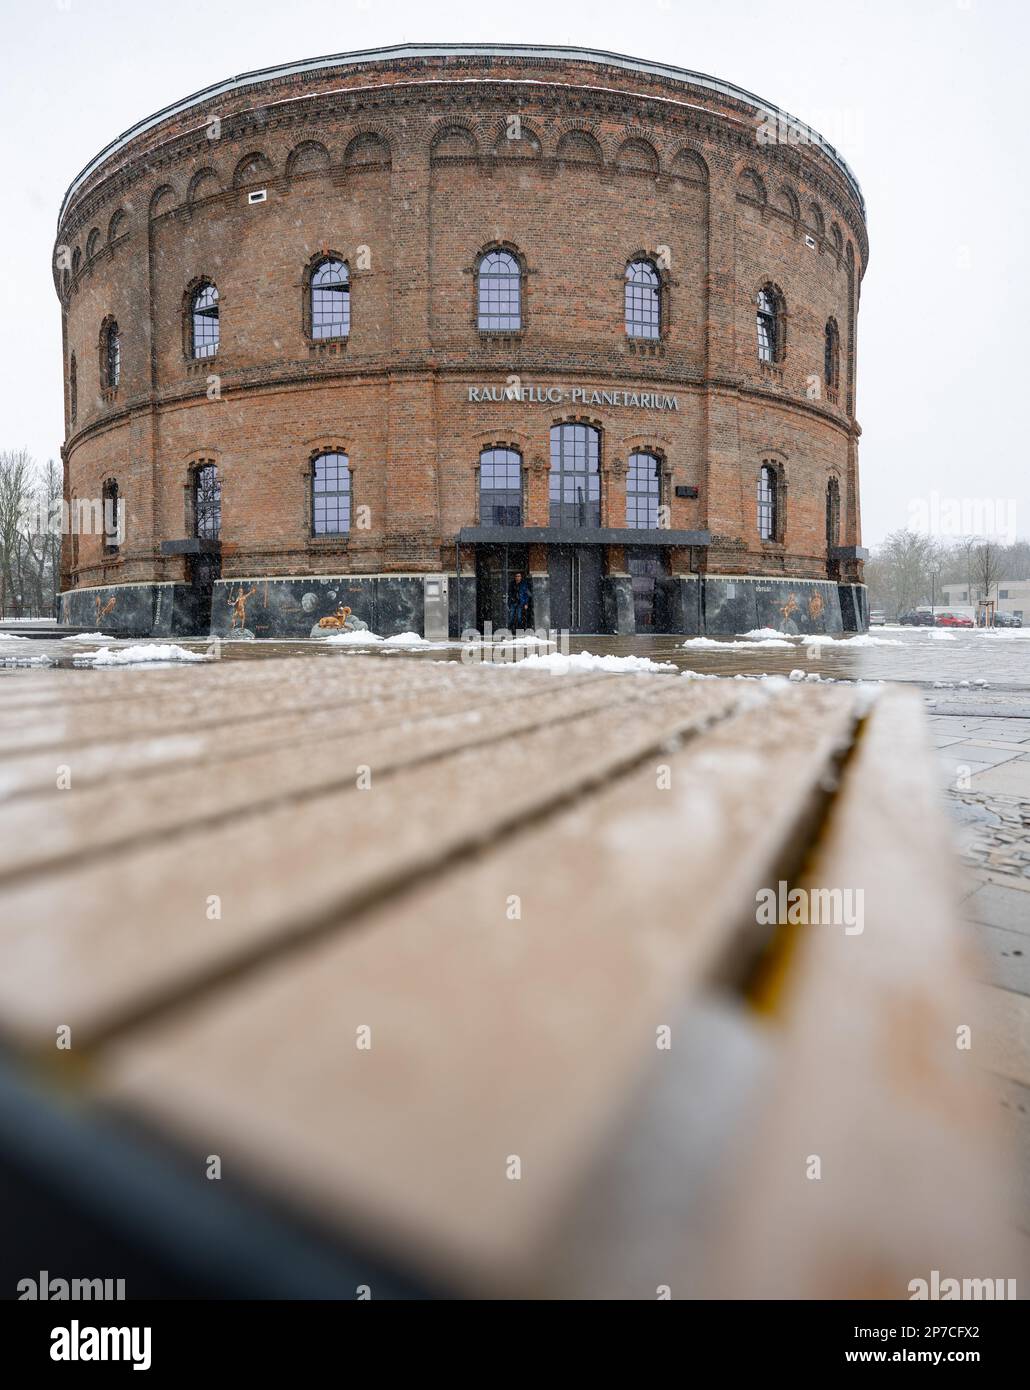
pixel 939 635
pixel 362 638
pixel 88 637
pixel 130 656
pixel 13 637
pixel 760 634
pixel 757 642
pixel 862 640
pixel 407 639
pixel 586 661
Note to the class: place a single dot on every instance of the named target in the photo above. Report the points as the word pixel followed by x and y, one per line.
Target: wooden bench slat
pixel 494 1037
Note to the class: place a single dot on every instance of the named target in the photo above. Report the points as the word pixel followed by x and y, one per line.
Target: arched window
pixel 204 320
pixel 643 300
pixel 500 487
pixel 330 495
pixel 110 355
pixel 831 356
pixel 768 502
pixel 575 482
pixel 73 389
pixel 207 502
pixel 643 491
pixel 330 299
pixel 112 517
pixel 832 517
pixel 499 293
pixel 770 325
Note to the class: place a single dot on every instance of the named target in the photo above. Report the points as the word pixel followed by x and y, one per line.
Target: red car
pixel 950 620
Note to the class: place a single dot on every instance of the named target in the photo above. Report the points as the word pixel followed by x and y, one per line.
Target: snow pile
pixel 759 634
pixel 129 656
pixel 361 638
pixel 88 637
pixel 25 660
pixel 756 642
pixel 12 637
pixel 561 665
pixel 939 635
pixel 406 639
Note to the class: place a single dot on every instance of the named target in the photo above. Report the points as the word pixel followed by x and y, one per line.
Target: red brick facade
pixel 405 168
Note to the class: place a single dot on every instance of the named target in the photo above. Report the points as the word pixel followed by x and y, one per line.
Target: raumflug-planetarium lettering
pixel 576 395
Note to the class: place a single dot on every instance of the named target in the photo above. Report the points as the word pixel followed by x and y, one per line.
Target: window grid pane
pixel 643 302
pixel 575 481
pixel 330 300
pixel 767 503
pixel 643 492
pixel 500 488
pixel 207 502
pixel 330 495
pixel 499 293
pixel 766 327
pixel 114 356
pixel 205 321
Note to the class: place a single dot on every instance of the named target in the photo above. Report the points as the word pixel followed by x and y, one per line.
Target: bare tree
pixel 16 477
pixel 986 567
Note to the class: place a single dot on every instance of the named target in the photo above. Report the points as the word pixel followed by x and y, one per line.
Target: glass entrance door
pixel 575 575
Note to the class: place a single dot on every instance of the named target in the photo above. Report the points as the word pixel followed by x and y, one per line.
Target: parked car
pixel 951 620
pixel 1007 620
pixel 877 618
pixel 917 617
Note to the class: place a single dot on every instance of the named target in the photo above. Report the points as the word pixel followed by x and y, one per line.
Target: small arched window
pixel 832 516
pixel 207 502
pixel 330 299
pixel 768 502
pixel 499 293
pixel 204 327
pixel 110 355
pixel 500 487
pixel 831 356
pixel 330 494
pixel 575 480
pixel 643 300
pixel 73 389
pixel 643 491
pixel 770 325
pixel 112 509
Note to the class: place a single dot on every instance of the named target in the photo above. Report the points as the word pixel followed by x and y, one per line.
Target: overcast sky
pixel 926 99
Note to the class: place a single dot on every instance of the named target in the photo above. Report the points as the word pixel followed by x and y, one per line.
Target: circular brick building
pixel 458 336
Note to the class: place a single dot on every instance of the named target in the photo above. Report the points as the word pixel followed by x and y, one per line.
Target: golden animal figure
pixel 239 608
pixel 337 619
pixel 107 608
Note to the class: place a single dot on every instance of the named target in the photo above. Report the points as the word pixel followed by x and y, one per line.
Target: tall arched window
pixel 112 516
pixel 575 482
pixel 207 502
pixel 330 494
pixel 330 299
pixel 831 356
pixel 204 331
pixel 73 389
pixel 770 325
pixel 110 355
pixel 643 300
pixel 500 487
pixel 499 293
pixel 768 502
pixel 643 491
pixel 832 517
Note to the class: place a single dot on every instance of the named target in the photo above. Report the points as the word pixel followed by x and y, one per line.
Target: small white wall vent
pixel 809 240
pixel 260 194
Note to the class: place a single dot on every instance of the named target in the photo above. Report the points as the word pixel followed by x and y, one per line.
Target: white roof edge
pixel 471 50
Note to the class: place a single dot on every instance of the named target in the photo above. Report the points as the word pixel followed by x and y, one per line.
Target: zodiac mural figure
pixel 239 608
pixel 107 608
pixel 337 619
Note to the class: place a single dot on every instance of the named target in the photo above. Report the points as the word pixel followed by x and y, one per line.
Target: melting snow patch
pixel 759 634
pixel 862 640
pixel 406 639
pixel 586 661
pixel 129 656
pixel 13 637
pixel 88 637
pixel 362 638
pixel 756 642
pixel 938 636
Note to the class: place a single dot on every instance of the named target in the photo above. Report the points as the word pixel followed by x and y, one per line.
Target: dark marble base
pixel 288 609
